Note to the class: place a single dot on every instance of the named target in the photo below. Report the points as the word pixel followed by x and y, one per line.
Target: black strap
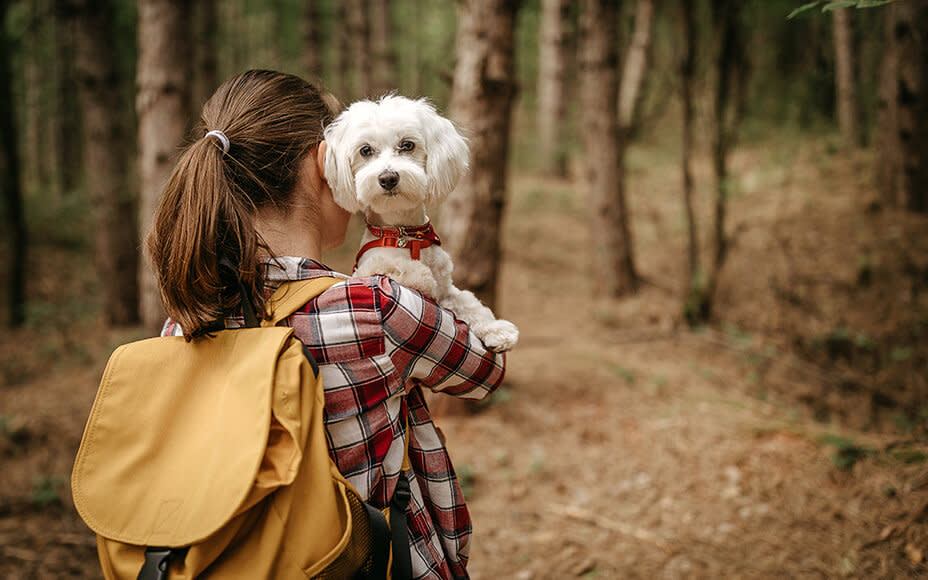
pixel 251 321
pixel 402 560
pixel 156 564
pixel 380 544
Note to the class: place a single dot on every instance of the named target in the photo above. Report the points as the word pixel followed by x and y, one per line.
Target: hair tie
pixel 222 138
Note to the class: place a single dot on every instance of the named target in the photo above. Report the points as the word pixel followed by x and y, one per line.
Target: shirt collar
pixel 287 268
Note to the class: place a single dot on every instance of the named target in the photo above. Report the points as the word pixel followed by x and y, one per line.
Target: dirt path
pixel 620 446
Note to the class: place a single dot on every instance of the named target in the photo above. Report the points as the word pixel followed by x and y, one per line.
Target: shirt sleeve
pixel 431 347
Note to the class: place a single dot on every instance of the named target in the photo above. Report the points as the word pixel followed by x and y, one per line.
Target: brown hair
pixel 208 209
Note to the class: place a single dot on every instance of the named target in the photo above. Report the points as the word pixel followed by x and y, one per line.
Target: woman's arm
pixel 433 348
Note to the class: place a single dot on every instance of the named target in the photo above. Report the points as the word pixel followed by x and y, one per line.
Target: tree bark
pixel 482 99
pixel 845 84
pixel 343 65
pixel 312 41
pixel 359 34
pixel 604 149
pixel 902 167
pixel 731 69
pixel 636 64
pixel 206 79
pixel 162 105
pixel 552 86
pixel 383 61
pixel 912 97
pixel 35 113
pixel 106 164
pixel 889 147
pixel 694 284
pixel 10 178
pixel 67 129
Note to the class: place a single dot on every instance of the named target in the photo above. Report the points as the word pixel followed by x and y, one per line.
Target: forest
pixel 708 218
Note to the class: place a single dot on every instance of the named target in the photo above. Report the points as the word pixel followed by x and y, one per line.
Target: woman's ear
pixel 320 158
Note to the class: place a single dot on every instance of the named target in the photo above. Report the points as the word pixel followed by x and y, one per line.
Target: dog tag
pixel 402 241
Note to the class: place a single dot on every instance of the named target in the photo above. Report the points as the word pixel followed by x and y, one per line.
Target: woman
pixel 253 190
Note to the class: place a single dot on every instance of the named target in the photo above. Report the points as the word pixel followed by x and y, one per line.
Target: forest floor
pixel 784 440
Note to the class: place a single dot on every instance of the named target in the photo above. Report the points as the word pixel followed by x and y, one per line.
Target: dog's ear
pixel 448 154
pixel 338 165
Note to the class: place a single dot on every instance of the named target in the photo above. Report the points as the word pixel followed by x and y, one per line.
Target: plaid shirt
pixel 377 343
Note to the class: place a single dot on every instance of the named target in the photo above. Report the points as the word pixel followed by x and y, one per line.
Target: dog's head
pixel 392 154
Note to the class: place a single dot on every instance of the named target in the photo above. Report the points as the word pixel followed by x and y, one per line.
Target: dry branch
pixel 898 527
pixel 582 515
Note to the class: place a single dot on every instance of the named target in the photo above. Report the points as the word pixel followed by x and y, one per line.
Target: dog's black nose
pixel 388 179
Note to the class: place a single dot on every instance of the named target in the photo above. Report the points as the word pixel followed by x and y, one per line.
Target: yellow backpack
pixel 208 459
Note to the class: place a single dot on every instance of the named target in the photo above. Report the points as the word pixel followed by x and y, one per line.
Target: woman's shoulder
pixel 368 293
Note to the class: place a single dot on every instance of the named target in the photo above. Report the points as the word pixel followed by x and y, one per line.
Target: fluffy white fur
pixel 370 145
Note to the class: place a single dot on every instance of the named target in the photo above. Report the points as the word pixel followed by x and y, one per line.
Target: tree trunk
pixel 162 106
pixel 604 149
pixel 911 28
pixel 342 42
pixel 694 283
pixel 359 42
pixel 552 86
pixel 106 164
pixel 889 147
pixel 482 99
pixel 36 157
pixel 902 167
pixel 845 85
pixel 636 64
pixel 384 63
pixel 206 79
pixel 727 112
pixel 67 129
pixel 312 41
pixel 417 83
pixel 10 179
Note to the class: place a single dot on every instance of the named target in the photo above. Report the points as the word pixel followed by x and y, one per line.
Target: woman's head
pixel 210 206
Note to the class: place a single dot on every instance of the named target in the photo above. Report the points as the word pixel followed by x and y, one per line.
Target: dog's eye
pixel 366 151
pixel 407 145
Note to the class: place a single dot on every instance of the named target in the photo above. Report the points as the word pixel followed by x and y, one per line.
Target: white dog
pixel 390 159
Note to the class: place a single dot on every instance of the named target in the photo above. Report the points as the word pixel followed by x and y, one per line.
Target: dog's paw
pixel 499 335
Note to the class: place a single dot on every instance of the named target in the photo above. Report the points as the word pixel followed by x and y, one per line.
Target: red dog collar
pixel 413 237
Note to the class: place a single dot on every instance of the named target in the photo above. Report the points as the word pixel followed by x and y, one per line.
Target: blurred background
pixel 709 219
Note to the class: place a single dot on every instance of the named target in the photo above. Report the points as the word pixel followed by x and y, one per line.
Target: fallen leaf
pixel 914 553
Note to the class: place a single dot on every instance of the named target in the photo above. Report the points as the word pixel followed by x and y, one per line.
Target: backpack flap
pixel 184 436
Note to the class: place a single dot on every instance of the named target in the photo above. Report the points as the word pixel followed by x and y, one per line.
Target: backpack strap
pixel 286 300
pixel 291 296
pixel 402 495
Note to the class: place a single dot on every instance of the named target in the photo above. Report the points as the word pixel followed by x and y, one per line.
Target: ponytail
pixel 208 210
pixel 198 222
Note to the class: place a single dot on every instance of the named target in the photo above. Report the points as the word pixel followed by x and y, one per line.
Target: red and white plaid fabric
pixel 377 343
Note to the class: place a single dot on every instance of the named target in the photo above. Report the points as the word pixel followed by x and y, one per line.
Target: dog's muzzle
pixel 388 180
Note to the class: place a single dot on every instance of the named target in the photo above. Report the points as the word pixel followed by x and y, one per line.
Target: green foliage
pixel 900 353
pixel 466 476
pixel 696 306
pixel 908 456
pixel 837 4
pixel 45 489
pixel 538 464
pixel 847 453
pixel 909 423
pixel 500 396
pixel 626 374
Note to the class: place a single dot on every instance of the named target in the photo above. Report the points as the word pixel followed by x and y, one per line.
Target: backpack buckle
pixel 156 564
